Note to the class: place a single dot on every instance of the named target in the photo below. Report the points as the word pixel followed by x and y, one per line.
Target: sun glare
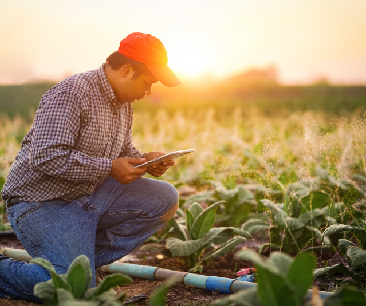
pixel 190 63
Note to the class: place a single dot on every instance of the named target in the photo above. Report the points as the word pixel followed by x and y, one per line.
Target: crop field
pixel 294 180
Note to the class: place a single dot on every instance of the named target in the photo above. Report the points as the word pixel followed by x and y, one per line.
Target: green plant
pixel 72 288
pixel 290 234
pixel 196 239
pixel 240 202
pixel 355 255
pixel 282 280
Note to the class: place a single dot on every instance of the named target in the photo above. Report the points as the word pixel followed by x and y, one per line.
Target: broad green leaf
pixel 206 195
pixel 225 194
pixel 58 281
pixel 292 223
pixel 240 232
pixel 338 268
pixel 44 263
pixel 288 177
pixel 158 295
pixel 270 245
pixel 226 247
pixel 250 255
pixel 279 216
pixel 274 289
pixel 247 297
pixel 358 232
pixel 109 282
pixel 314 200
pixel 195 210
pixel 77 280
pixel 346 296
pixel 245 195
pixel 344 244
pixel 279 263
pixel 189 221
pixel 46 292
pixel 356 255
pixel 179 230
pixel 255 226
pixel 180 247
pixel 216 235
pixel 81 278
pixel 153 247
pixel 179 212
pixel 107 298
pixel 204 221
pixel 64 297
pixel 301 273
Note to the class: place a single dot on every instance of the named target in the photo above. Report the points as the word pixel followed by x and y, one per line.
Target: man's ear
pixel 126 70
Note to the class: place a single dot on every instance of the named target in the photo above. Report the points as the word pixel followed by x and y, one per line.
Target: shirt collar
pixel 105 86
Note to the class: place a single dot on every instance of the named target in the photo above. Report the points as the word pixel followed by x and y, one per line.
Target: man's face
pixel 129 88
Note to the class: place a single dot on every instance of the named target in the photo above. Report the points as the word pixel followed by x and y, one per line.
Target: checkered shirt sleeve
pixel 79 128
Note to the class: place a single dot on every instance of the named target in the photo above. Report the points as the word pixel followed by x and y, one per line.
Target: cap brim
pixel 165 75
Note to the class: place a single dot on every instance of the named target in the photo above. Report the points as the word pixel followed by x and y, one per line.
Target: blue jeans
pixel 105 226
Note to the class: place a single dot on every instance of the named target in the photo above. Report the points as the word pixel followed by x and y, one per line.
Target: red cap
pixel 150 51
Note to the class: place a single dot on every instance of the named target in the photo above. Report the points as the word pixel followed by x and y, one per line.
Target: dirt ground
pixel 180 294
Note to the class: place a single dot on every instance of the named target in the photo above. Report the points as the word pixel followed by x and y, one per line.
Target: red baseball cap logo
pixel 150 51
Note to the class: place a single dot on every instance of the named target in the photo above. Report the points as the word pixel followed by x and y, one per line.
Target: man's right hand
pixel 123 170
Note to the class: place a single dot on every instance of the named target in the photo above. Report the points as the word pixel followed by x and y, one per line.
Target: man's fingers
pixel 135 161
pixel 169 163
pixel 164 165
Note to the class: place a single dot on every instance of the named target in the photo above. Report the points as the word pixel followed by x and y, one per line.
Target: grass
pixel 230 145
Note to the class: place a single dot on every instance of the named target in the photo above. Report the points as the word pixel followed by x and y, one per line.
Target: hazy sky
pixel 304 39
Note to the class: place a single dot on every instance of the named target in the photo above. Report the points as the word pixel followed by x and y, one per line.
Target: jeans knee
pixel 171 201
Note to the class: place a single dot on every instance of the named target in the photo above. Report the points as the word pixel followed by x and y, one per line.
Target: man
pixel 73 188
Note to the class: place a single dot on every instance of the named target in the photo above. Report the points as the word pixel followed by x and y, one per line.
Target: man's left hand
pixel 159 169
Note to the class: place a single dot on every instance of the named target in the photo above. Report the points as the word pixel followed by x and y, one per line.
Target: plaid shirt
pixel 79 128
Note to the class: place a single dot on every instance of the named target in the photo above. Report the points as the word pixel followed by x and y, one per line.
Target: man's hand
pixel 159 169
pixel 123 170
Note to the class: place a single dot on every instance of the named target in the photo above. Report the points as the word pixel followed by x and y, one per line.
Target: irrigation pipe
pixel 212 283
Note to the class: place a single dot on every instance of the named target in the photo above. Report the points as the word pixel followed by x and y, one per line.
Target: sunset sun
pixel 190 63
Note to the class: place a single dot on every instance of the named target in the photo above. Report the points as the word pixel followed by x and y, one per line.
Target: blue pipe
pixel 219 284
pixel 212 283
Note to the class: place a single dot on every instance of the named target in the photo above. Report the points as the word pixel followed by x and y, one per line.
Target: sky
pixel 305 39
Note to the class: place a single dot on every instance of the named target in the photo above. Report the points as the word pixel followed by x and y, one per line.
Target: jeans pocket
pixel 22 210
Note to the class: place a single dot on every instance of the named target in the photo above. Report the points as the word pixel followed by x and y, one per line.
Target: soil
pixel 181 294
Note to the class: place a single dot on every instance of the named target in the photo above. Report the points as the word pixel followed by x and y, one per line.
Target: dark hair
pixel 116 60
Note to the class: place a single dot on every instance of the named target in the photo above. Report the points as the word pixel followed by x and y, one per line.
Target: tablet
pixel 165 157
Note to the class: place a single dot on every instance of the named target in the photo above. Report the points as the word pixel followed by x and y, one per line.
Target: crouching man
pixel 73 188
